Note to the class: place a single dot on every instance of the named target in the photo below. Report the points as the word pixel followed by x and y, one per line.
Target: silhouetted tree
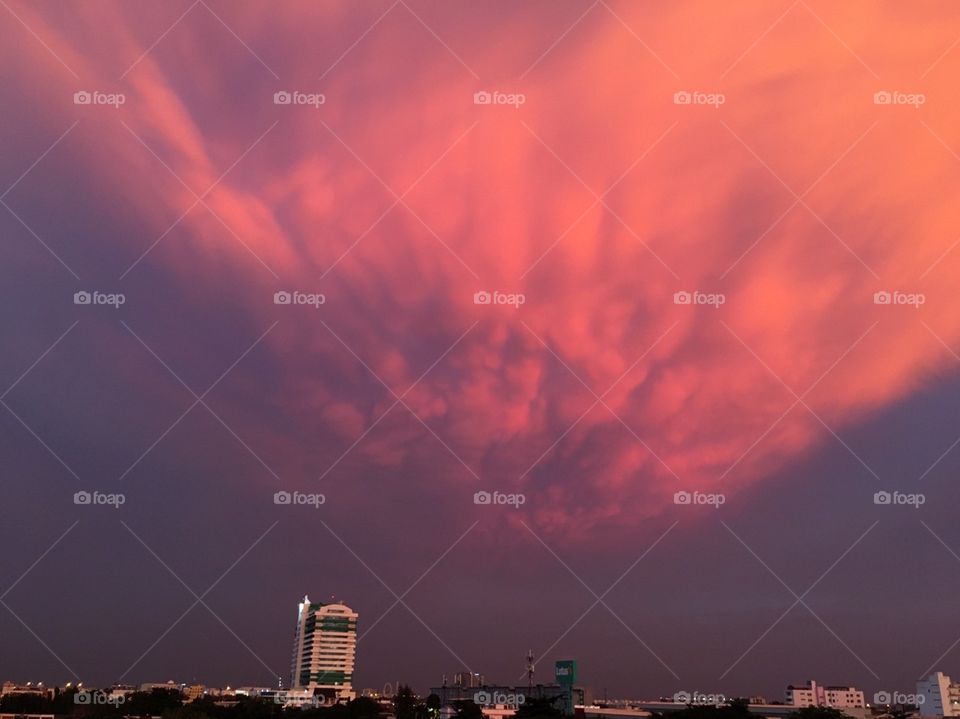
pixel 405 703
pixel 152 703
pixel 467 709
pixel 539 709
pixel 363 708
pixel 818 713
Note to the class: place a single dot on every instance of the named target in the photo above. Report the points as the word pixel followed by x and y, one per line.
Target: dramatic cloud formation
pixel 598 199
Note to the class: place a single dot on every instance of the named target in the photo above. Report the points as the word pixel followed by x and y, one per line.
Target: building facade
pixel 324 650
pixel 941 697
pixel 812 694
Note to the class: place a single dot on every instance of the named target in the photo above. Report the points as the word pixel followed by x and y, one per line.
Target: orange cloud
pixel 796 199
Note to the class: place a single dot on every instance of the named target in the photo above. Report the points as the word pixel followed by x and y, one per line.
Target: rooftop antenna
pixel 530 670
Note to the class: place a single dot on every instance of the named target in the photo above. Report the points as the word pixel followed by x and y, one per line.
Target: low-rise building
pixel 812 694
pixel 12 688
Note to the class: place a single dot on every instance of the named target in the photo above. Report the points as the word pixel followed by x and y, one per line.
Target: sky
pixel 672 285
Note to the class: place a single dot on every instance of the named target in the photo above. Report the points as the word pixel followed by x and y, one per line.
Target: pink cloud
pixel 499 211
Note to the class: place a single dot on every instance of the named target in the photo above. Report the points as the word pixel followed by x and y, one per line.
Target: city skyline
pixel 616 331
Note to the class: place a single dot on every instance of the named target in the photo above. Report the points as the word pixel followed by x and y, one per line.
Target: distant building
pixel 11 688
pixel 941 697
pixel 468 679
pixel 812 694
pixel 324 650
pixel 150 686
pixel 499 700
pixel 121 690
pixel 193 692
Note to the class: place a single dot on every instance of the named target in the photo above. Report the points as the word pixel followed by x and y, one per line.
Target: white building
pixel 941 697
pixel 324 650
pixel 812 694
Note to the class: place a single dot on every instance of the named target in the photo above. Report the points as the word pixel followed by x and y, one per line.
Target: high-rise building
pixel 324 650
pixel 941 697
